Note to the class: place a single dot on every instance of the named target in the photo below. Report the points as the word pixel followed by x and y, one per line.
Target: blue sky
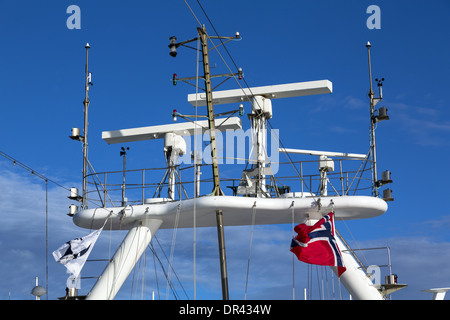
pixel 42 88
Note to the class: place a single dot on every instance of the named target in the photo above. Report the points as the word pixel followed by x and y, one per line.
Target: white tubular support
pixel 354 279
pixel 438 293
pixel 124 260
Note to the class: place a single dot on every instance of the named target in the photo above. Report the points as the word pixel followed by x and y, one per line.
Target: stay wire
pixel 164 271
pixel 293 256
pixel 246 84
pixel 154 265
pixel 46 237
pixel 171 266
pixel 46 180
pixel 250 249
pixel 32 171
pixel 174 236
pixel 190 9
pixel 232 60
pixel 235 65
pixel 248 87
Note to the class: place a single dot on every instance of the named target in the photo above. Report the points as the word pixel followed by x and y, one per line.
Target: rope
pixel 46 180
pixel 171 266
pixel 164 271
pixel 293 259
pixel 33 172
pixel 154 265
pixel 309 275
pixel 250 249
pixel 245 82
pixel 46 237
pixel 198 21
pixel 143 274
pixel 174 236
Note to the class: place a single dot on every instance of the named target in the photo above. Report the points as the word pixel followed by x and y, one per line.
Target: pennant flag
pixel 74 253
pixel 316 244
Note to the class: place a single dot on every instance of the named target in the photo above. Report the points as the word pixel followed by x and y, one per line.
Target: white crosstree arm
pixel 324 153
pixel 159 132
pixel 289 90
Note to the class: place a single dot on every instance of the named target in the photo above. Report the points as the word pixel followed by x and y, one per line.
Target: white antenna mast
pixel 375 117
pixel 86 124
pixel 76 132
pixel 217 191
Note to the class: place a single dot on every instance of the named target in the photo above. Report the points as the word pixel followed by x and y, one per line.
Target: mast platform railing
pixel 137 186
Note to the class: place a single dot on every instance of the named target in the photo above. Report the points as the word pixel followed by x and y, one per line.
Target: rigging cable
pixel 321 292
pixel 171 266
pixel 246 84
pixel 164 271
pixel 33 172
pixel 143 275
pixel 174 236
pixel 154 265
pixel 293 259
pixel 193 13
pixel 135 261
pixel 248 87
pixel 250 249
pixel 46 180
pixel 46 237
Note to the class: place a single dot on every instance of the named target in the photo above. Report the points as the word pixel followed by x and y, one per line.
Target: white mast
pixel 354 279
pixel 144 220
pixel 124 260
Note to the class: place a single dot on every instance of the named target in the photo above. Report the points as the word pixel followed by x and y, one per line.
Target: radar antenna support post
pixel 85 130
pixel 215 166
pixel 373 102
pixel 217 191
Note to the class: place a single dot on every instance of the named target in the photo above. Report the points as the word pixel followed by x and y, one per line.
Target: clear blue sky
pixel 42 89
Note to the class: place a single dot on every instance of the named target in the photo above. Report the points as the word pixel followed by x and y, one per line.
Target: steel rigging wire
pixel 46 180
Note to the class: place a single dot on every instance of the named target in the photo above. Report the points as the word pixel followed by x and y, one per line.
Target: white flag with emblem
pixel 74 253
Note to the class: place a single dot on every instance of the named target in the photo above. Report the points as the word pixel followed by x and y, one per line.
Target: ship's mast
pixel 217 191
pixel 215 166
pixel 210 108
pixel 374 118
pixel 85 130
pixel 373 102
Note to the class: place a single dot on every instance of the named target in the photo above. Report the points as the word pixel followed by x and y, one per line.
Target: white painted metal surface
pixel 144 220
pixel 237 211
pixel 124 260
pixel 159 132
pixel 354 280
pixel 438 293
pixel 324 153
pixel 289 90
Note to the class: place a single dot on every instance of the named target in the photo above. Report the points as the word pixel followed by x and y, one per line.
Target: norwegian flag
pixel 316 244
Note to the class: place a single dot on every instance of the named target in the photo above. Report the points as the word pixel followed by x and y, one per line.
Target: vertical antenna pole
pixel 85 141
pixel 372 128
pixel 124 154
pixel 223 258
pixel 212 128
pixel 215 166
